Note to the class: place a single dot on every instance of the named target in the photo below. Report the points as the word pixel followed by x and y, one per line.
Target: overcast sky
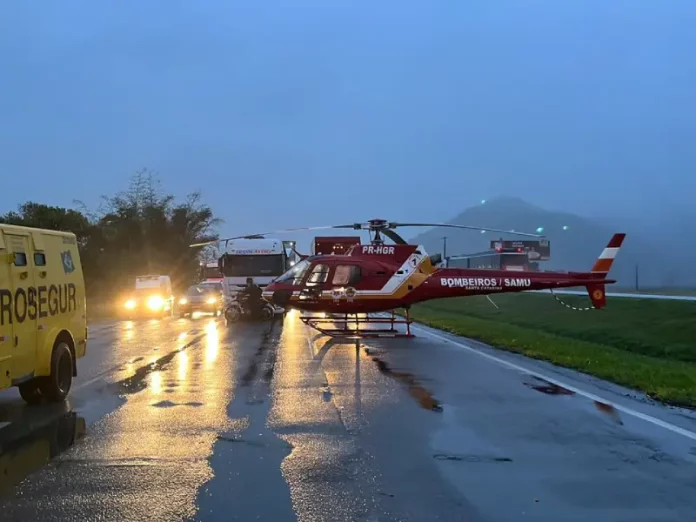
pixel 316 112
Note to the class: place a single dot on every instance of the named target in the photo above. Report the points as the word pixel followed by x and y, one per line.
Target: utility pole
pixel 444 248
pixel 637 288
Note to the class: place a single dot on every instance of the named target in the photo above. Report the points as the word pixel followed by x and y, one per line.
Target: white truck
pixel 261 259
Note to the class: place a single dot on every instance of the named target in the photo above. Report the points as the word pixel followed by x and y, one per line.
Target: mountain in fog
pixel 575 248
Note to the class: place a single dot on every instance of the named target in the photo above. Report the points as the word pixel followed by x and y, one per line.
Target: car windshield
pixel 199 290
pixel 211 287
pixel 149 291
pixel 295 274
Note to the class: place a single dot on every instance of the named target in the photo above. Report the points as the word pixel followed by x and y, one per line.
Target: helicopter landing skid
pixel 345 327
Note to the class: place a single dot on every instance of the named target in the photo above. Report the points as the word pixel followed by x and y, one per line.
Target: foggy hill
pixel 574 249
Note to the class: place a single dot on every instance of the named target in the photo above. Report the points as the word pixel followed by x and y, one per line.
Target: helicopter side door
pixel 344 278
pixel 315 281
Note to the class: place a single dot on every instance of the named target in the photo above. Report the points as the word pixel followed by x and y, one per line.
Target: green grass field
pixel 645 344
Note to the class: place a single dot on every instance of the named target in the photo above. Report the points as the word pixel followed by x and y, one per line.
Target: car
pixel 213 285
pixel 201 298
pixel 151 297
pixel 43 314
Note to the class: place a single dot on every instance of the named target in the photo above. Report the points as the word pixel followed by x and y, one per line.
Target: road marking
pixel 629 411
pixel 310 345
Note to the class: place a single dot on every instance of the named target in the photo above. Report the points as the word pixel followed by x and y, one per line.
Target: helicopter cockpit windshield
pixel 295 274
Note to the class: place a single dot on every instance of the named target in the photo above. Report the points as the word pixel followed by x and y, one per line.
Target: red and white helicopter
pixel 381 277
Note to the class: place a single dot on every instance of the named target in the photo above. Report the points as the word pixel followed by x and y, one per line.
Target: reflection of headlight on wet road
pixel 156 383
pixel 212 343
pixel 155 302
pixel 130 304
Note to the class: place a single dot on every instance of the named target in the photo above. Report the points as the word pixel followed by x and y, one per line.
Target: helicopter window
pixel 295 274
pixel 346 275
pixel 318 276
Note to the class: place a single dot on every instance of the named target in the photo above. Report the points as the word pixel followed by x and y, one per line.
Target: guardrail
pixel 661 297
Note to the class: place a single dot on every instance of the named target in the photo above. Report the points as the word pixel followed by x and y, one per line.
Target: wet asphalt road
pixel 192 420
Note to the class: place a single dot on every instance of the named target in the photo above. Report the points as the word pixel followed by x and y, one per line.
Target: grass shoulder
pixel 644 344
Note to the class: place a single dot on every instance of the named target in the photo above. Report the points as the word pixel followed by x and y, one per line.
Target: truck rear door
pixel 5 324
pixel 22 305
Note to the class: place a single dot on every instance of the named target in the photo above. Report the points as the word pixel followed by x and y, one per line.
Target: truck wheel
pixel 30 391
pixel 56 386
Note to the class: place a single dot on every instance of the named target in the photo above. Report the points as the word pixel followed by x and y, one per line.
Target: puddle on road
pixel 25 449
pixel 264 356
pixel 170 404
pixel 470 458
pixel 31 437
pixel 137 382
pixel 609 411
pixel 418 392
pixel 548 388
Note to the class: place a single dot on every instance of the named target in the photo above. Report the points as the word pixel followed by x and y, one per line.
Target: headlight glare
pixel 155 302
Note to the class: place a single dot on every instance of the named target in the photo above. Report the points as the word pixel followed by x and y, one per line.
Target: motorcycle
pixel 239 309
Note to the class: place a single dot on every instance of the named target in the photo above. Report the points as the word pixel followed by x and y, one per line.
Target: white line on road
pixel 657 422
pixel 310 345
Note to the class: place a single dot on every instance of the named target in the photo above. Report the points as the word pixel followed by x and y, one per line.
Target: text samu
pixel 484 282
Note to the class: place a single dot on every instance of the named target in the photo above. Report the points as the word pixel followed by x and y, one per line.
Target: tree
pixel 135 232
pixel 145 231
pixel 31 214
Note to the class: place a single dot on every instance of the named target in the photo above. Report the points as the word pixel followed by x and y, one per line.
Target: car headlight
pixel 130 304
pixel 155 302
pixel 183 300
pixel 211 300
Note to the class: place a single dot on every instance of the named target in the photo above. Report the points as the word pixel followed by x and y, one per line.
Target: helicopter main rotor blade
pixel 466 227
pixel 396 238
pixel 382 227
pixel 355 226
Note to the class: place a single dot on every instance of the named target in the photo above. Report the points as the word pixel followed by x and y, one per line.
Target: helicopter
pixel 379 278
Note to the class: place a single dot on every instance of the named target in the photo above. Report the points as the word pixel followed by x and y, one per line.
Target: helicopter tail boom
pixel 606 258
pixel 600 270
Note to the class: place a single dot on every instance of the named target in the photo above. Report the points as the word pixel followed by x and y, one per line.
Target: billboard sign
pixel 538 249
